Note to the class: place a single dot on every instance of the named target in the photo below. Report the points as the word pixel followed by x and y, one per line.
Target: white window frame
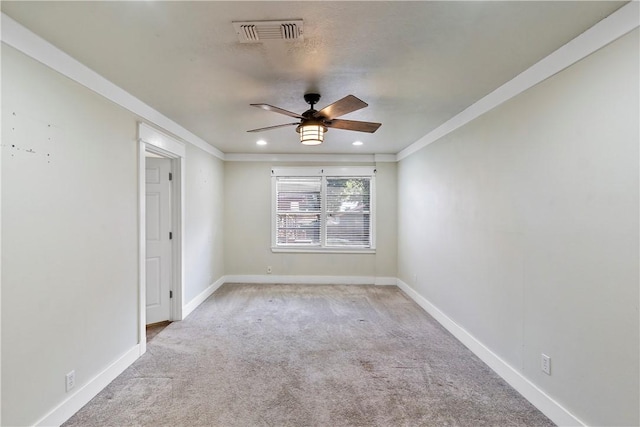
pixel 324 172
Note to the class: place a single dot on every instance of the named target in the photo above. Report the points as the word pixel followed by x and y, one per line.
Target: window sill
pixel 281 249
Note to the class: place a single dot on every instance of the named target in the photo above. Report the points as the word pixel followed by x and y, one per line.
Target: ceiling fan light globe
pixel 311 134
pixel 311 142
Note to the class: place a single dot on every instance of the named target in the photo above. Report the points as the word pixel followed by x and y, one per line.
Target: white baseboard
pixel 82 396
pixel 386 281
pixel 311 280
pixel 195 302
pixel 547 405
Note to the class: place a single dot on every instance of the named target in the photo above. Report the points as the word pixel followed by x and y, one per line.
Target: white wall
pixel 522 227
pixel 69 246
pixel 248 229
pixel 203 222
pixel 69 235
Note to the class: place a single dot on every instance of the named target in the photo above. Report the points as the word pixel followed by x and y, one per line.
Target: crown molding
pixel 616 25
pixel 15 35
pixel 350 158
pixel 382 158
pixel 619 23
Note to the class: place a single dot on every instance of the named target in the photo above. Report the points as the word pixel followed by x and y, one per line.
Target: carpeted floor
pixel 295 355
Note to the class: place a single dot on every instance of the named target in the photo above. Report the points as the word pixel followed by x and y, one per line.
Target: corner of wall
pixel 201 297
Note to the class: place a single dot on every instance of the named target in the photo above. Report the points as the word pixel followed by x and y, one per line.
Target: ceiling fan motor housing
pixel 309 118
pixel 312 98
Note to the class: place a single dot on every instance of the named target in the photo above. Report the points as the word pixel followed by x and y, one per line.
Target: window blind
pixel 298 211
pixel 321 211
pixel 348 211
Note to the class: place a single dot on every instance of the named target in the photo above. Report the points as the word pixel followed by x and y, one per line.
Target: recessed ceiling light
pixel 358 143
pixel 261 142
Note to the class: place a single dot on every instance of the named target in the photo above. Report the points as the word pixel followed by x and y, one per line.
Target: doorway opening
pixel 161 229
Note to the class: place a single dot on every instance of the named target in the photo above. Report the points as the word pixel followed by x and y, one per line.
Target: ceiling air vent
pixel 259 31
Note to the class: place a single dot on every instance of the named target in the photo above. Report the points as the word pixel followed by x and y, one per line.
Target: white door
pixel 158 229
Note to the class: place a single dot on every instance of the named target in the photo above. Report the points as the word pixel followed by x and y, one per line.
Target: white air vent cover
pixel 259 31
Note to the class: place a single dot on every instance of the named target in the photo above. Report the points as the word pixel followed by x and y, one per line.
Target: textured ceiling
pixel 416 64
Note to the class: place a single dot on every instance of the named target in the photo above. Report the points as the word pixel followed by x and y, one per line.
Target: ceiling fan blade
pixel 343 106
pixel 273 127
pixel 353 125
pixel 277 110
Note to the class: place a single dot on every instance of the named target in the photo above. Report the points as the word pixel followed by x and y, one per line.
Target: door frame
pixel 154 141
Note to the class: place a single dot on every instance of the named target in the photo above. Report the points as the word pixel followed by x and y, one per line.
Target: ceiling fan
pixel 313 124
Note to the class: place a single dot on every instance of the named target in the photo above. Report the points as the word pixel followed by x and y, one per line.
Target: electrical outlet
pixel 70 380
pixel 546 364
pixel 268 269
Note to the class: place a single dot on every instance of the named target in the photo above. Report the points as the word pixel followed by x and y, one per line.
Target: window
pixel 323 209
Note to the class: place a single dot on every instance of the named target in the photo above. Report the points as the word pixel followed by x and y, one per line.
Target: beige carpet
pixel 292 355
